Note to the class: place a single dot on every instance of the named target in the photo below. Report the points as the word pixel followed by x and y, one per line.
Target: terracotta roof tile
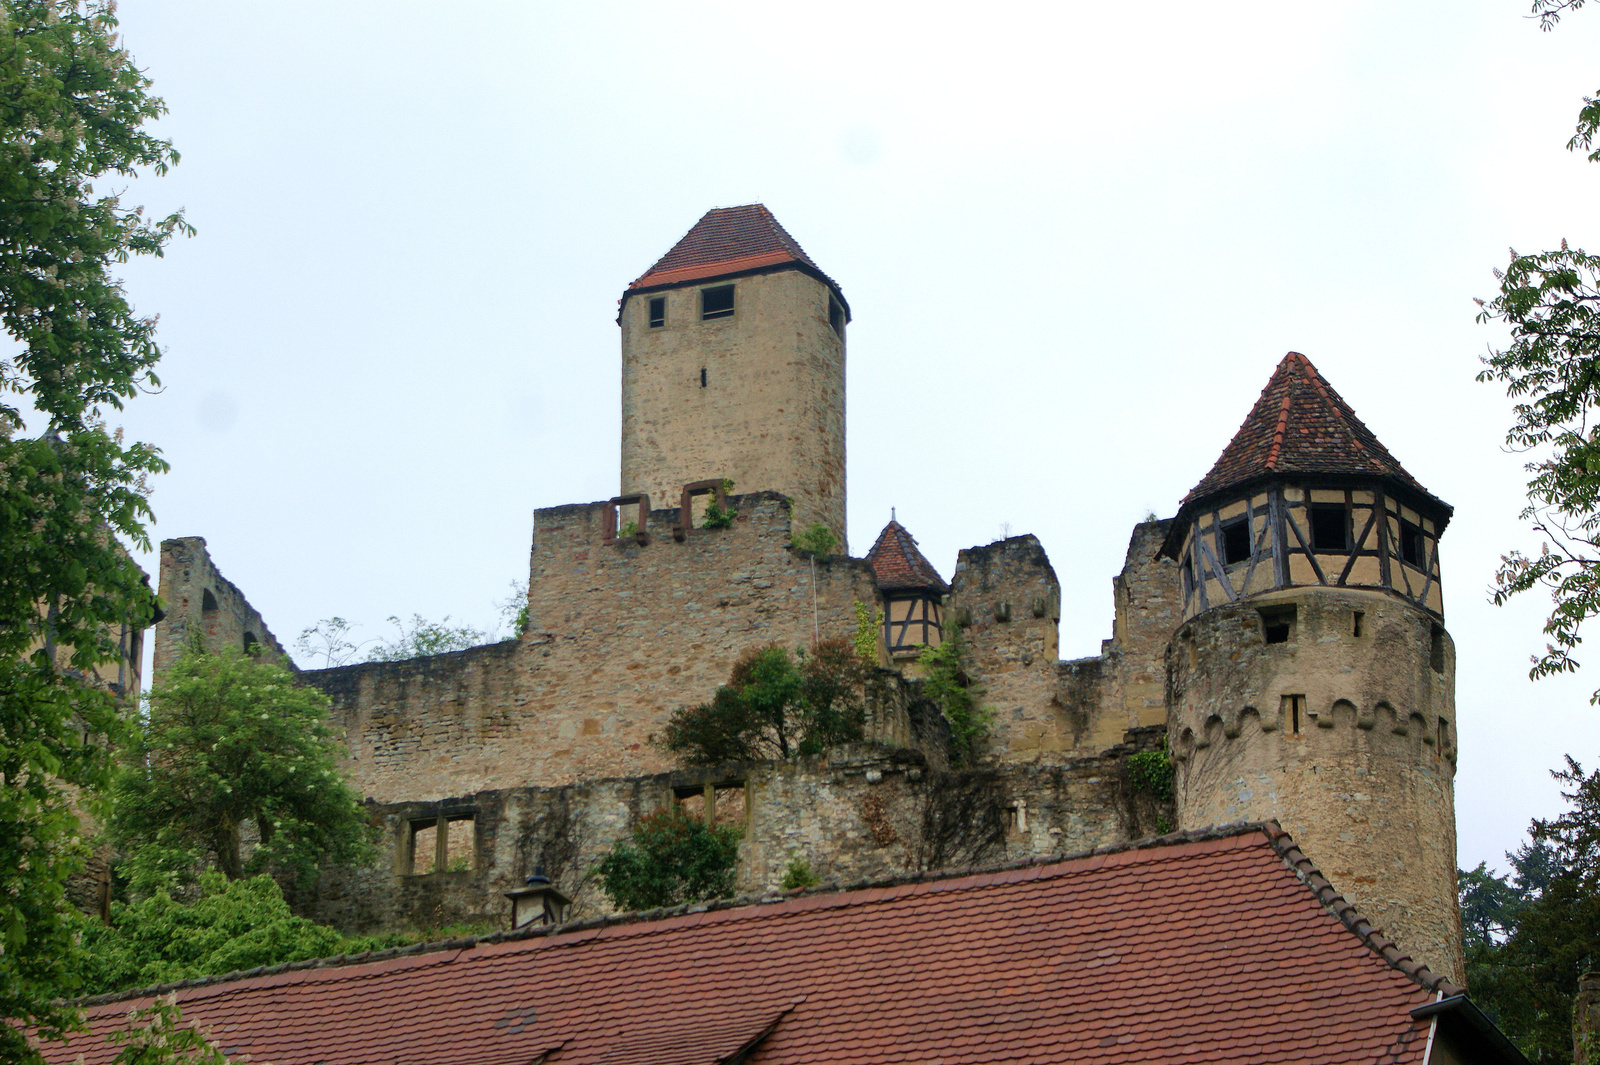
pixel 1300 425
pixel 1225 946
pixel 731 240
pixel 899 566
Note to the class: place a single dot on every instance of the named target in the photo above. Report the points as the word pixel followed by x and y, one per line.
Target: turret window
pixel 1235 541
pixel 1411 544
pixel 716 302
pixel 836 316
pixel 1330 527
pixel 658 312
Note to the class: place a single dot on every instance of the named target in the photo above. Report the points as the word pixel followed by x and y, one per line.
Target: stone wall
pixel 1347 739
pixel 757 397
pixel 201 602
pixel 619 635
pixel 862 811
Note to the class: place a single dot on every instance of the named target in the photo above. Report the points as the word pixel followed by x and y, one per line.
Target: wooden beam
pixel 1310 555
pixel 1222 574
pixel 1355 549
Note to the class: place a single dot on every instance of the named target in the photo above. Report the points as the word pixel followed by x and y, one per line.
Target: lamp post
pixel 537 902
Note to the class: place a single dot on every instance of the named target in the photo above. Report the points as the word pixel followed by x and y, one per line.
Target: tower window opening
pixel 1411 544
pixel 1360 616
pixel 658 312
pixel 836 316
pixel 1436 650
pixel 1330 527
pixel 208 602
pixel 1235 541
pixel 1277 623
pixel 251 644
pixel 1292 707
pixel 716 302
pixel 1188 574
pixel 702 377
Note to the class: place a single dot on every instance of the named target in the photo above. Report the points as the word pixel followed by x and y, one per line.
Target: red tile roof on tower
pixel 899 566
pixel 1222 945
pixel 731 240
pixel 1300 425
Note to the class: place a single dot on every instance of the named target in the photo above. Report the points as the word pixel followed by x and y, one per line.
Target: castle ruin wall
pixel 202 604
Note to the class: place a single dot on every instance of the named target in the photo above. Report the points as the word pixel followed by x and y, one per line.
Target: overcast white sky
pixel 1076 238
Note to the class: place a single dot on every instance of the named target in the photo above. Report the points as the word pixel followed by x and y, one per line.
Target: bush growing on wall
pixel 816 538
pixel 776 705
pixel 670 858
pixel 945 684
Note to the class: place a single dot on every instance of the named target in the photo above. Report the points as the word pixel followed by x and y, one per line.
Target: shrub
pixel 869 622
pixel 816 538
pixel 946 685
pixel 776 705
pixel 670 858
pixel 1151 773
pixel 797 874
pixel 720 517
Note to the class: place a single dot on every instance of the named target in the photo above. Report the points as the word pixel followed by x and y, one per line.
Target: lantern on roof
pixel 913 592
pixel 537 902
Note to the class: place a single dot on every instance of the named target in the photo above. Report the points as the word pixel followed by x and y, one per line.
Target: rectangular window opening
pixel 1360 616
pixel 1330 527
pixel 716 302
pixel 1411 544
pixel 658 312
pixel 1235 541
pixel 702 377
pixel 1436 651
pixel 836 317
pixel 1291 707
pixel 1277 623
pixel 458 849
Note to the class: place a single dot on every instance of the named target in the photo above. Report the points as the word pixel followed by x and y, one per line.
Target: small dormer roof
pixel 899 566
pixel 1301 427
pixel 728 241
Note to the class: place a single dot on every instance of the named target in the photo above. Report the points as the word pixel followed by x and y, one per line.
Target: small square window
pixel 658 312
pixel 1277 624
pixel 1330 530
pixel 716 302
pixel 1411 544
pixel 1235 541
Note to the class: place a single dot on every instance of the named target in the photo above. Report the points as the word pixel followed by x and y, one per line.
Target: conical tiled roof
pixel 899 566
pixel 731 240
pixel 1300 425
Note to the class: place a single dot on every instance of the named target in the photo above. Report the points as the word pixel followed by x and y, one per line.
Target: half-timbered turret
pixel 1306 496
pixel 1311 679
pixel 913 592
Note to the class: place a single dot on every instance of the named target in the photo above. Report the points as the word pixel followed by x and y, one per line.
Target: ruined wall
pixel 619 636
pixel 200 600
pixel 1347 739
pixel 770 411
pixel 1008 601
pixel 861 811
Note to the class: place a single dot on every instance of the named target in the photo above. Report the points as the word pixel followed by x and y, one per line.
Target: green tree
pixel 423 637
pixel 229 742
pixel 1550 301
pixel 156 1035
pixel 670 858
pixel 776 705
pixel 72 106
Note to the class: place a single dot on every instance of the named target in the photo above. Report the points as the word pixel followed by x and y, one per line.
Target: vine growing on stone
pixel 946 685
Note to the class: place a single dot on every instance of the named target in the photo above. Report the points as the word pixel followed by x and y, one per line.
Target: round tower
pixel 733 349
pixel 1311 679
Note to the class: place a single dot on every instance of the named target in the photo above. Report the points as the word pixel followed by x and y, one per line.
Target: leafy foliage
pixel 229 741
pixel 329 639
pixel 797 874
pixel 869 624
pixel 816 538
pixel 424 637
pixel 670 858
pixel 945 683
pixel 514 610
pixel 719 517
pixel 1151 773
pixel 156 1035
pixel 72 110
pixel 1530 935
pixel 775 706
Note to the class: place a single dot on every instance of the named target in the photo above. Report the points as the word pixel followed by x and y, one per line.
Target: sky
pixel 1076 239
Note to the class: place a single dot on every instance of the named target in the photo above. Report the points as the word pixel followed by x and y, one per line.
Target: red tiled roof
pixel 730 240
pixel 1219 946
pixel 898 565
pixel 1300 425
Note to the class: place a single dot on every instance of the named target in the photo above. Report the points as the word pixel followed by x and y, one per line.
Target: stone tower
pixel 733 367
pixel 1311 679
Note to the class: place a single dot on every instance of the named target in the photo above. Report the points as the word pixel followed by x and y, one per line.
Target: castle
pixel 1282 636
